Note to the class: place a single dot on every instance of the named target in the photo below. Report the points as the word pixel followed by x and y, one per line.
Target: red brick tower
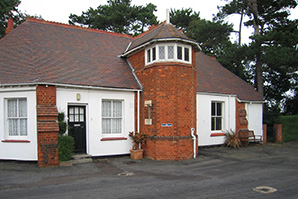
pixel 164 61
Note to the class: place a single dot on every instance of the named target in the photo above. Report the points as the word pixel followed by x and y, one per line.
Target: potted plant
pixel 136 153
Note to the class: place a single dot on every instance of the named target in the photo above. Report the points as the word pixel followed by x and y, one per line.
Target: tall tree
pixel 196 28
pixel 273 57
pixel 213 37
pixel 8 8
pixel 117 16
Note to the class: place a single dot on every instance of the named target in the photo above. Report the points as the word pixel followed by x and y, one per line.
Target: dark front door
pixel 77 127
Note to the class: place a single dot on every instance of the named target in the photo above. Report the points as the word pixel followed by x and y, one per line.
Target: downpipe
pixel 194 138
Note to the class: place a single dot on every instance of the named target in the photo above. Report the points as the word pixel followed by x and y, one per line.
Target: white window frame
pixel 217 116
pixel 18 117
pixel 111 135
pixel 149 53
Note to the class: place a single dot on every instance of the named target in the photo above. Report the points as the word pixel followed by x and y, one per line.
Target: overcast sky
pixel 59 10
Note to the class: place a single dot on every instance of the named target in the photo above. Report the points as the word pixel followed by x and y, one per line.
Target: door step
pixel 81 158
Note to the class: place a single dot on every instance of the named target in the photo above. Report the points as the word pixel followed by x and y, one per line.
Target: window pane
pixel 117 126
pixel 71 111
pixel 23 108
pixel 179 52
pixel 153 54
pixel 106 109
pixel 71 118
pixel 161 52
pixel 170 52
pixel 76 110
pixel 13 127
pixel 76 118
pixel 23 127
pixel 186 54
pixel 106 126
pixel 212 123
pixel 12 108
pixel 148 56
pixel 117 109
pixel 219 108
pixel 213 109
pixel 218 123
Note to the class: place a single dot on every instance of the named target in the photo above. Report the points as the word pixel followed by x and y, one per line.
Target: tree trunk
pixel 252 4
pixel 240 28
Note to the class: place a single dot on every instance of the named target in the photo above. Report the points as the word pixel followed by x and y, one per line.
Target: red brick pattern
pixel 278 133
pixel 172 89
pixel 264 133
pixel 241 121
pixel 47 126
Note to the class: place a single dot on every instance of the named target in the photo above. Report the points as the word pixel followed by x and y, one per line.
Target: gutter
pixel 70 86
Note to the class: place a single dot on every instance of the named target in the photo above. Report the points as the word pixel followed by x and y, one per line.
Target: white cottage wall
pixel 92 99
pixel 18 147
pixel 205 135
pixel 255 117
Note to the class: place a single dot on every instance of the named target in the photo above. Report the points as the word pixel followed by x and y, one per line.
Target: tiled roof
pixel 162 31
pixel 38 51
pixel 212 77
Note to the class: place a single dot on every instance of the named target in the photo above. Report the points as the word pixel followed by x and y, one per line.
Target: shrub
pixel 62 123
pixel 289 127
pixel 66 147
pixel 232 139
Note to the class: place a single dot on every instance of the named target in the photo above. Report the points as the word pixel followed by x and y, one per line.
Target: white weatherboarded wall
pixel 255 117
pixel 205 135
pixel 92 99
pixel 22 147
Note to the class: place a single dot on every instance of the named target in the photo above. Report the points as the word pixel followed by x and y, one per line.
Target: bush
pixel 289 127
pixel 232 140
pixel 66 147
pixel 62 123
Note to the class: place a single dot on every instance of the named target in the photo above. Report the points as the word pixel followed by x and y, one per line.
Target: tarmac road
pixel 268 171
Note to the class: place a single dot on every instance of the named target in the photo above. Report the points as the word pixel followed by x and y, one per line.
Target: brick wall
pixel 47 126
pixel 241 121
pixel 172 89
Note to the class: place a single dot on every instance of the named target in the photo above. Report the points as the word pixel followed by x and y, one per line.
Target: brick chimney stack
pixel 9 26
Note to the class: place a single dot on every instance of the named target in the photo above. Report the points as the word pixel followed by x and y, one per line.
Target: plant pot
pixel 136 154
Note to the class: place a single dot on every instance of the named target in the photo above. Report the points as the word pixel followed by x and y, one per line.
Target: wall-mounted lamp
pixel 78 96
pixel 148 103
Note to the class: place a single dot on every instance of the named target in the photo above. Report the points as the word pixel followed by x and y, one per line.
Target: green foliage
pixel 275 49
pixel 118 16
pixel 289 127
pixel 212 36
pixel 8 8
pixel 66 147
pixel 62 123
pixel 232 139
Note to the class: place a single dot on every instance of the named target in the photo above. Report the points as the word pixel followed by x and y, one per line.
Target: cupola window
pixel 168 53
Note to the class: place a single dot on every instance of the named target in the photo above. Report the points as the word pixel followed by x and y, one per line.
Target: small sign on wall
pixel 166 125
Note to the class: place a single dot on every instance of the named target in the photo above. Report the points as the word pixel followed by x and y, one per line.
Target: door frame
pixel 85 122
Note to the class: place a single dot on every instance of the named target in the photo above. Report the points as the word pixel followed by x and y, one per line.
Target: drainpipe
pixel 138 111
pixel 194 142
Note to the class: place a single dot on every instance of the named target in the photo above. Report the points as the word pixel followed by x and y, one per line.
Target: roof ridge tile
pixel 31 19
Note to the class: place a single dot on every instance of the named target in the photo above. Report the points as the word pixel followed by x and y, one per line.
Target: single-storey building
pixel 109 84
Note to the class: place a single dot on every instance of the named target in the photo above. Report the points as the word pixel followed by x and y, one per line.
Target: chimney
pixel 9 26
pixel 168 16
